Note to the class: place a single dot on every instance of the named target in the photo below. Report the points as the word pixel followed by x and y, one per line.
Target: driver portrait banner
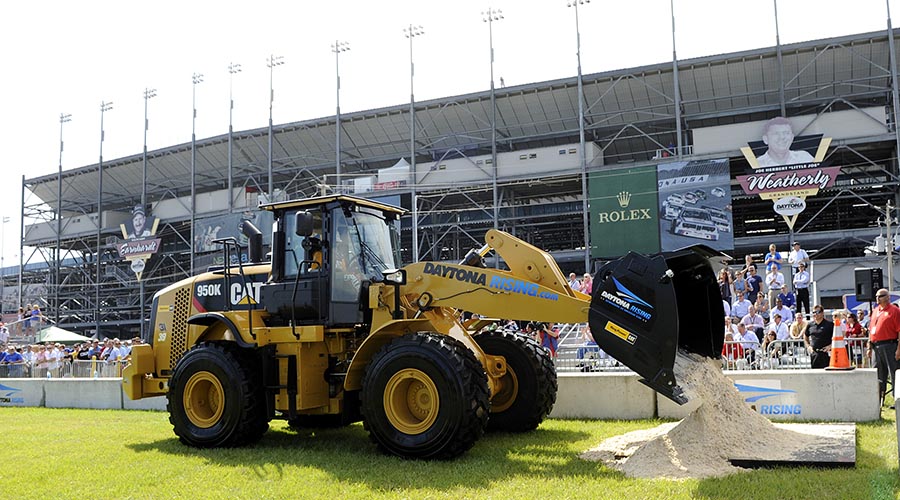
pixel 787 167
pixel 139 242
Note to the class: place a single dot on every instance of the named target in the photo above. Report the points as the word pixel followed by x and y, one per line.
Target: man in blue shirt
pixel 773 259
pixel 754 284
pixel 14 361
pixel 787 298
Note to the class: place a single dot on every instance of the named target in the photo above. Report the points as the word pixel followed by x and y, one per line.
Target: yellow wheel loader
pixel 330 330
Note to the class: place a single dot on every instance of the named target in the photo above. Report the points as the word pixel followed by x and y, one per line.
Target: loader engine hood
pixel 643 309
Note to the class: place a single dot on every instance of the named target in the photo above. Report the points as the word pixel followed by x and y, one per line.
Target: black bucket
pixel 644 309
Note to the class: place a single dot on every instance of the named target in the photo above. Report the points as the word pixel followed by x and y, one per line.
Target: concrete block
pixel 155 403
pixel 21 392
pixel 604 396
pixel 785 395
pixel 102 393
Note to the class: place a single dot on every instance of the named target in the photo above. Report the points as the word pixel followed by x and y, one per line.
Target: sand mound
pixel 722 427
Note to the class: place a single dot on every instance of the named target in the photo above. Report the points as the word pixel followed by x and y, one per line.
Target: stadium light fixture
pixel 233 69
pixel 271 62
pixel 411 32
pixel 581 142
pixel 490 16
pixel 337 47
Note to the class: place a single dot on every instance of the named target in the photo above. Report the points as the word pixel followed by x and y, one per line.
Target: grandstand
pixel 839 86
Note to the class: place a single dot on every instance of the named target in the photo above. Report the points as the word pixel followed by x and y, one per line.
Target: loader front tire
pixel 214 399
pixel 529 387
pixel 425 395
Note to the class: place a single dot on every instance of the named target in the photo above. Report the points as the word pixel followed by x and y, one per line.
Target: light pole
pixel 104 107
pixel 490 16
pixel 195 78
pixel 271 62
pixel 232 69
pixel 337 47
pixel 148 94
pixel 412 32
pixel 63 118
pixel 677 88
pixel 581 156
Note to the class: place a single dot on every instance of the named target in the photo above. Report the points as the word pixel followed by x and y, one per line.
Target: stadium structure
pixel 518 158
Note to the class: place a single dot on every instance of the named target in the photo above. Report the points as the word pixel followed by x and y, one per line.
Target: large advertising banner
pixel 623 205
pixel 140 240
pixel 695 204
pixel 787 169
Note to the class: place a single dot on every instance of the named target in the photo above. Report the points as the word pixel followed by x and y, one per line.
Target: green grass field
pixel 88 454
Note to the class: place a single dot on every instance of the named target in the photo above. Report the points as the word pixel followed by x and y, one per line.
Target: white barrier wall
pixel 785 395
pixel 850 396
pixel 603 395
pixel 101 393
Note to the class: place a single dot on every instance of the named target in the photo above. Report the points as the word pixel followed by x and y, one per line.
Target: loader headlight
pixel 394 276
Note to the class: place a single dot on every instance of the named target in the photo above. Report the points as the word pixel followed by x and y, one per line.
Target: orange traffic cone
pixel 839 358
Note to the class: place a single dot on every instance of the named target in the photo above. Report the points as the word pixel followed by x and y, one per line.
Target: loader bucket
pixel 644 309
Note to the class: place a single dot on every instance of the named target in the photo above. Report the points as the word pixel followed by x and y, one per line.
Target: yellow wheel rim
pixel 411 401
pixel 204 399
pixel 506 395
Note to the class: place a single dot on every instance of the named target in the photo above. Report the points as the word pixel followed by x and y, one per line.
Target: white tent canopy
pixel 63 336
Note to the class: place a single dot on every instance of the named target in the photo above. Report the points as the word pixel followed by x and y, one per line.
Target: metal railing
pixel 788 354
pixel 64 369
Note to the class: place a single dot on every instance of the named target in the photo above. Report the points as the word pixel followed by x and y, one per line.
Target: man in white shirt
pixel 740 307
pixel 574 284
pixel 798 256
pixel 774 283
pixel 754 323
pixel 801 287
pixel 748 339
pixel 786 314
pixel 779 327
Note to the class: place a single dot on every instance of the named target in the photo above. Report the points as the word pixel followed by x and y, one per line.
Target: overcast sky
pixel 68 57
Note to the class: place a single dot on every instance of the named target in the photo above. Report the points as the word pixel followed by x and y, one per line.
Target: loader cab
pixel 324 255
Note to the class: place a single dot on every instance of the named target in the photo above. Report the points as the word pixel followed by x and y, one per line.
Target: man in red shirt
pixel 883 331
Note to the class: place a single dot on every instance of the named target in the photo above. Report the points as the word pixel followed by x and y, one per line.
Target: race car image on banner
pixel 695 204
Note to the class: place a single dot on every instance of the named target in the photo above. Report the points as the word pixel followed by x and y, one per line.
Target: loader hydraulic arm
pixel 534 288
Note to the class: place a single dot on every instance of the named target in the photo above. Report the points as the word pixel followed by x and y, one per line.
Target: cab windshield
pixel 363 248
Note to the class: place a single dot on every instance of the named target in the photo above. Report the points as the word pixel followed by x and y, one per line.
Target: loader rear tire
pixel 214 398
pixel 425 395
pixel 529 386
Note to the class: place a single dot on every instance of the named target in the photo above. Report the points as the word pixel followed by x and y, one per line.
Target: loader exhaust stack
pixel 644 309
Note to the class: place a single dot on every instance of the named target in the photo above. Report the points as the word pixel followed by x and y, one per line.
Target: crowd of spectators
pixel 58 360
pixel 769 320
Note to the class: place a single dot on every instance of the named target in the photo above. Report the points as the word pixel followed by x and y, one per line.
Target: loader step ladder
pixel 290 386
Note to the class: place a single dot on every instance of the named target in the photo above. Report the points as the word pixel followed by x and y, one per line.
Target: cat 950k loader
pixel 330 330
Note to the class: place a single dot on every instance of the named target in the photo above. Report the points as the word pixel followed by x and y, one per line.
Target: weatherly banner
pixel 623 212
pixel 139 240
pixel 787 169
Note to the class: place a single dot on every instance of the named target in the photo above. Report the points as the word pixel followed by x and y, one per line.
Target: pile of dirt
pixel 722 427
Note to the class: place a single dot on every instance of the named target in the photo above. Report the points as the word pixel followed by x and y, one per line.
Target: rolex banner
pixel 660 208
pixel 695 204
pixel 623 205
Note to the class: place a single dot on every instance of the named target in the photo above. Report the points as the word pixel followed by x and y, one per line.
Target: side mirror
pixel 304 224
